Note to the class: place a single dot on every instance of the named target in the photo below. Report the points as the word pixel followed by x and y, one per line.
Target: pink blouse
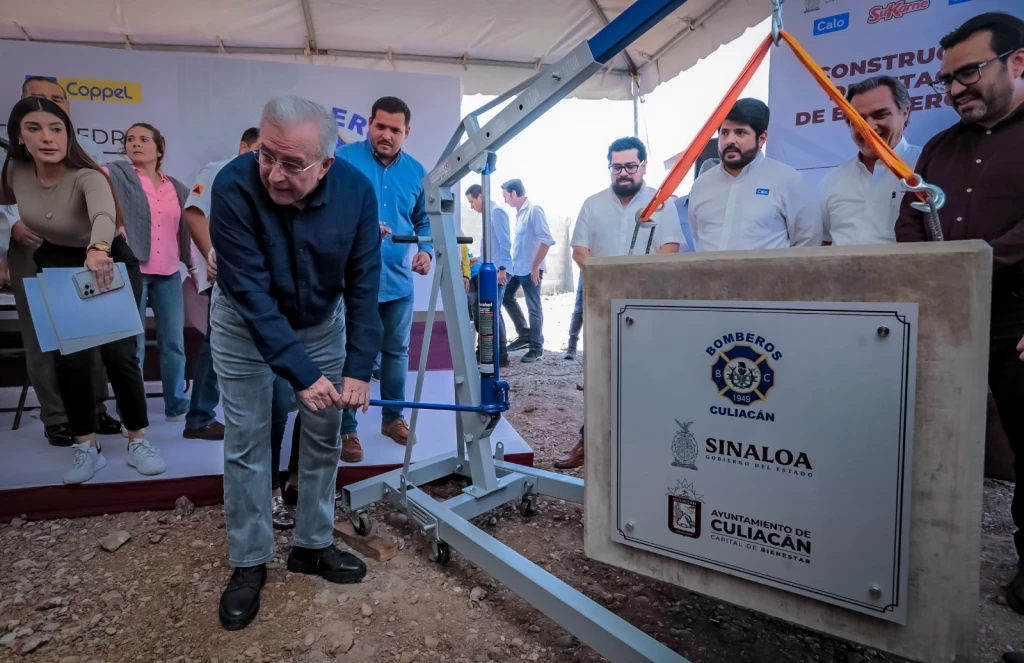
pixel 165 213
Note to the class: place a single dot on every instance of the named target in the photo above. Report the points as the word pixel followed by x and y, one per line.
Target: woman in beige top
pixel 65 199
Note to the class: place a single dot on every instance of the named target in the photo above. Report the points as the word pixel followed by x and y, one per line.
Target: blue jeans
pixel 247 390
pixel 535 330
pixel 396 317
pixel 205 392
pixel 576 324
pixel 163 295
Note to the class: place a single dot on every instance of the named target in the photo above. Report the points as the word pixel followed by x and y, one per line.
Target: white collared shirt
pixel 861 207
pixel 202 190
pixel 767 206
pixel 605 226
pixel 531 231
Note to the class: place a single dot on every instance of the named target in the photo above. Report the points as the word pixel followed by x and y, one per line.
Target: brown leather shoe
pixel 397 430
pixel 351 450
pixel 574 458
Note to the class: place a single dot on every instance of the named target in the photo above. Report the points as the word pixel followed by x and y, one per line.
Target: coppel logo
pixel 837 23
pixel 118 92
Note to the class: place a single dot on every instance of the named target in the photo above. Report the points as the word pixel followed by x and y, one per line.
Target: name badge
pixel 761 192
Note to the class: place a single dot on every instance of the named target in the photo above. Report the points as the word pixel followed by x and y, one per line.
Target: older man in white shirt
pixel 861 198
pixel 750 201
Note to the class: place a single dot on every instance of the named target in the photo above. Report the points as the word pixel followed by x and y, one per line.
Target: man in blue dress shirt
pixel 398 180
pixel 298 268
pixel 500 242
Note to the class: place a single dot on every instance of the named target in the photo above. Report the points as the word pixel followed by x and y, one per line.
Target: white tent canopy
pixel 491 45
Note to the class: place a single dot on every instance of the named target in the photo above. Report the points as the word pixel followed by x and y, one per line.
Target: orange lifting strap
pixel 689 157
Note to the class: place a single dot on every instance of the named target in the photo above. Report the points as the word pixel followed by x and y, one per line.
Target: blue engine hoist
pixel 480 393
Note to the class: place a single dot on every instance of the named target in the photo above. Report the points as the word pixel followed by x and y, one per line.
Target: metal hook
pixel 650 222
pixel 777 21
pixel 935 197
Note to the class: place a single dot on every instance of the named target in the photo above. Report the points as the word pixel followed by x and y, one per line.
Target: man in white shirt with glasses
pixel 605 228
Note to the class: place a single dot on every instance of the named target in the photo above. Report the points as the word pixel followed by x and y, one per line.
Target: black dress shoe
pixel 240 602
pixel 329 563
pixel 59 435
pixel 108 425
pixel 1013 657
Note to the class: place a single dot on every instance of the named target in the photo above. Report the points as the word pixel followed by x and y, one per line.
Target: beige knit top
pixel 77 211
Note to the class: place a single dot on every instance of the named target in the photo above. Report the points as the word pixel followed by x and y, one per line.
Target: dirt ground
pixel 64 598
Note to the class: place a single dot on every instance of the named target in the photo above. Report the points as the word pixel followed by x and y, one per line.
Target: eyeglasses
pixel 617 168
pixel 967 76
pixel 288 167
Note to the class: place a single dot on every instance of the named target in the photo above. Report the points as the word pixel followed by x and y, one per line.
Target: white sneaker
pixel 124 432
pixel 142 456
pixel 87 462
pixel 180 417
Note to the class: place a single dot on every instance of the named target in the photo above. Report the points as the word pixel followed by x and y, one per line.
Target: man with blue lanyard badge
pixel 397 178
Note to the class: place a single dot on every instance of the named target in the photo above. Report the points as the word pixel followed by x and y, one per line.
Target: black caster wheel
pixel 528 506
pixel 362 524
pixel 442 553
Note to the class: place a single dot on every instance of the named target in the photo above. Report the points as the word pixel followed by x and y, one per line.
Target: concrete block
pixel 951 282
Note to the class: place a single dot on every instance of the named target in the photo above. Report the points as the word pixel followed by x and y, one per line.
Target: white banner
pixel 202 104
pixel 853 40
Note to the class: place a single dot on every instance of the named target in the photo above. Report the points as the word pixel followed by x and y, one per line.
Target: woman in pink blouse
pixel 153 205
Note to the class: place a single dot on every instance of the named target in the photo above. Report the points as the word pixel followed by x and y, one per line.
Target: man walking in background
pixel 201 421
pixel 530 246
pixel 397 179
pixel 500 242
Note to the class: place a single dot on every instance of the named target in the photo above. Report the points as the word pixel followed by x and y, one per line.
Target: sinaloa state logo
pixel 684 447
pixel 742 374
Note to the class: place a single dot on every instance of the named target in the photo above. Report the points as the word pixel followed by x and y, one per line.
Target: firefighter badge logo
pixel 742 374
pixel 684 447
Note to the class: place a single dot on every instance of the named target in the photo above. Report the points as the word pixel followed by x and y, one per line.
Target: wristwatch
pixel 99 246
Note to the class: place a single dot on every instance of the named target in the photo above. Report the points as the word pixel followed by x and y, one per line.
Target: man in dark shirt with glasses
pixel 978 164
pixel 298 269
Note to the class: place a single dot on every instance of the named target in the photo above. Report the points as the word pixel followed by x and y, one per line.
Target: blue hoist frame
pixel 480 393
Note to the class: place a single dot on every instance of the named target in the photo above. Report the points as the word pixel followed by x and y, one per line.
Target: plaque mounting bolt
pixel 630 525
pixel 875 591
pixel 883 332
pixel 629 320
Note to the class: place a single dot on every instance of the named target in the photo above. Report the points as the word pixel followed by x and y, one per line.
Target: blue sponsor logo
pixel 958 2
pixel 823 26
pixel 762 192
